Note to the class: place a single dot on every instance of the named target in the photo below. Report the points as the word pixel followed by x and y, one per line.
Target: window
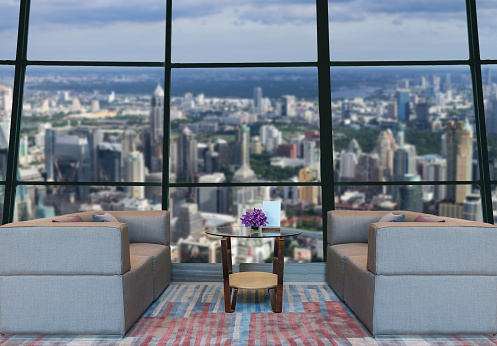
pixel 207 109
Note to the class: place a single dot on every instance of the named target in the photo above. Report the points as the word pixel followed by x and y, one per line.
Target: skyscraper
pixel 422 115
pixel 134 171
pixel 258 100
pixel 459 137
pixel 385 148
pixel 403 105
pixel 156 129
pixel 109 162
pixel 288 106
pixel 459 143
pixel 157 114
pixel 187 154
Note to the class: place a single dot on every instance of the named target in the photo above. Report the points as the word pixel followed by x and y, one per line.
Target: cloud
pixel 9 15
pixel 96 12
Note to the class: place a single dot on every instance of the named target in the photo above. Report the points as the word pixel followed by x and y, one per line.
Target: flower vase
pixel 255 231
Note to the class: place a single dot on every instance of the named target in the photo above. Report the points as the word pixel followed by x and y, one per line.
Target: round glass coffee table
pixel 273 282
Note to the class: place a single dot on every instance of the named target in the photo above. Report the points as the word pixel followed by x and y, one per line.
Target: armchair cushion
pixel 104 218
pixel 391 217
pixel 75 218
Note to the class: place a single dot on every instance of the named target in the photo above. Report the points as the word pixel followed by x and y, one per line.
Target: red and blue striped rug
pixel 193 314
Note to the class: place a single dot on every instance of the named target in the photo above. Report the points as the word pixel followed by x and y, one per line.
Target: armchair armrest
pixel 146 226
pixel 346 226
pixel 64 248
pixel 432 248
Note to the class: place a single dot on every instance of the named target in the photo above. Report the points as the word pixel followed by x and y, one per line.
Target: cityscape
pixel 389 125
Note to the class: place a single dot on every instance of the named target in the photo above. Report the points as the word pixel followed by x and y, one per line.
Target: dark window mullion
pixel 478 104
pixel 324 89
pixel 167 109
pixel 95 63
pixel 15 127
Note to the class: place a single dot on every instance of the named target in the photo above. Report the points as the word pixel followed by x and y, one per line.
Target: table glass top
pixel 247 232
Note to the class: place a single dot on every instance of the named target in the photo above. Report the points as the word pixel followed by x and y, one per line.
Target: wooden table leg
pixel 229 306
pixel 276 296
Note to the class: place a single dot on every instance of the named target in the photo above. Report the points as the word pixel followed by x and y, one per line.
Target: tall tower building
pixel 157 114
pixel 385 148
pixel 422 115
pixel 258 100
pixel 187 154
pixel 403 105
pixel 307 193
pixel 109 162
pixel 156 129
pixel 288 106
pixel 243 139
pixel 459 137
pixel 189 222
pixel 491 115
pixel 134 171
pixel 345 110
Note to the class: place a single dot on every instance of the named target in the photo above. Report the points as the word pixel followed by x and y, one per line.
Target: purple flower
pixel 256 219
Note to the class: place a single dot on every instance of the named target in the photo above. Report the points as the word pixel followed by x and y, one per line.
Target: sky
pixel 243 31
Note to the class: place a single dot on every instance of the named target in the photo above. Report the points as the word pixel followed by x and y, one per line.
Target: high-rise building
pixel 258 100
pixel 491 115
pixel 307 193
pixel 189 222
pixel 270 137
pixel 213 199
pixel 472 208
pixel 403 105
pixel 411 196
pixel 459 146
pixel 109 162
pixel 287 150
pixel 288 106
pixel 157 114
pixel 422 115
pixel 345 109
pixel 156 129
pixel 187 154
pixel 459 137
pixel 404 164
pixel 385 148
pixel 134 171
pixel 6 99
pixel 348 163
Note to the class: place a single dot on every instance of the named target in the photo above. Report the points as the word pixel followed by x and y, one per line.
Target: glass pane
pixel 9 21
pixel 487 11
pixel 430 199
pixel 97 30
pixel 228 31
pixel 196 209
pixel 403 124
pixel 398 30
pixel 36 202
pixel 490 97
pixel 6 85
pixel 93 124
pixel 245 125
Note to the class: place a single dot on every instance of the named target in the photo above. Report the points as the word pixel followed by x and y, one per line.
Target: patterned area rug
pixel 193 314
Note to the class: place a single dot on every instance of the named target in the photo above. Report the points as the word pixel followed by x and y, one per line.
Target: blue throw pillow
pixel 391 217
pixel 104 218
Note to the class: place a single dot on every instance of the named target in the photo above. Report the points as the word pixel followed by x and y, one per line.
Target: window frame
pixel 323 66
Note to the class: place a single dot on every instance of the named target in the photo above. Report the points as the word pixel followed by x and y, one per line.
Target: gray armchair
pixel 82 277
pixel 414 277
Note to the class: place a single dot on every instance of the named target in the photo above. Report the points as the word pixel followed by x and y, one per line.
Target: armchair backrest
pixel 150 226
pixel 349 226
